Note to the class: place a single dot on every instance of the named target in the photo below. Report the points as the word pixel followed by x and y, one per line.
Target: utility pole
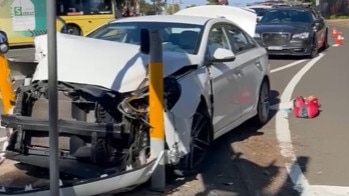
pixel 52 96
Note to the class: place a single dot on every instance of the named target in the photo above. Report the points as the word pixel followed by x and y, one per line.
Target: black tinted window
pixel 260 11
pixel 284 16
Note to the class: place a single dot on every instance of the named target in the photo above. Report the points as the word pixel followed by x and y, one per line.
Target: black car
pixel 298 31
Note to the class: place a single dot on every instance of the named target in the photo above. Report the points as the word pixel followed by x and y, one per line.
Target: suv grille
pixel 275 39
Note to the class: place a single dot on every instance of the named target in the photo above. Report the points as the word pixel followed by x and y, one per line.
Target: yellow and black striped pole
pixel 6 89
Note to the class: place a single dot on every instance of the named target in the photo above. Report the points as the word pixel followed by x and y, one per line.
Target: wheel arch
pixel 72 25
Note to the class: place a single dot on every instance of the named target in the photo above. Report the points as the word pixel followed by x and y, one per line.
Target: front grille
pixel 275 39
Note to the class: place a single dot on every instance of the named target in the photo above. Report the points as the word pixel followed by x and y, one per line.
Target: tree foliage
pixel 171 9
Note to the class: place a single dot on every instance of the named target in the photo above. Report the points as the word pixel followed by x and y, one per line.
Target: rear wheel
pixel 201 139
pixel 263 106
pixel 326 45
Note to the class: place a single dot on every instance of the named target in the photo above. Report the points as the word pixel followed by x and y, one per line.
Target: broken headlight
pixel 172 92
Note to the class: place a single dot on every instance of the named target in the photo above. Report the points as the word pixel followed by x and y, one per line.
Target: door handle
pixel 258 65
pixel 238 73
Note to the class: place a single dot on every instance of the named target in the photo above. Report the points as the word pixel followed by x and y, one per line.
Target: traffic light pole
pixel 52 95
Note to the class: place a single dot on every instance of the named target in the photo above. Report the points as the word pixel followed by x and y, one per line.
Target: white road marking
pixel 283 133
pixel 330 190
pixel 335 45
pixel 287 66
pixel 282 106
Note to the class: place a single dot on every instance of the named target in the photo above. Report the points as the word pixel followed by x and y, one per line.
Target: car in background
pixel 260 10
pixel 298 31
pixel 215 75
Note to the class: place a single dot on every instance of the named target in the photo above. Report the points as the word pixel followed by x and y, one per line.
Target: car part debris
pixel 103 134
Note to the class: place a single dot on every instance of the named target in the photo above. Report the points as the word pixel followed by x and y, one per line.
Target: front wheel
pixel 314 49
pixel 326 45
pixel 201 139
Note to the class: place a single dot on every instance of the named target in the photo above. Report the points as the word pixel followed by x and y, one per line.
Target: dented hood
pixel 112 65
pixel 243 18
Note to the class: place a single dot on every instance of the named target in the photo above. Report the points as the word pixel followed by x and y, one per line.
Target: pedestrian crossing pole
pixel 52 96
pixel 152 45
pixel 6 89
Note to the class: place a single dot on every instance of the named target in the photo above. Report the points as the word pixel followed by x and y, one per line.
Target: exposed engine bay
pixel 101 131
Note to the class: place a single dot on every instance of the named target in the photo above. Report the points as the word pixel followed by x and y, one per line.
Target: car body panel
pixel 226 105
pixel 245 19
pixel 123 73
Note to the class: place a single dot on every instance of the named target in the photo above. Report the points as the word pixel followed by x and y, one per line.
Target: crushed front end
pixel 103 135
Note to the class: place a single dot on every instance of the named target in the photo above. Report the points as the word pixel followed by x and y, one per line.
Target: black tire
pixel 326 45
pixel 72 30
pixel 263 105
pixel 201 139
pixel 314 49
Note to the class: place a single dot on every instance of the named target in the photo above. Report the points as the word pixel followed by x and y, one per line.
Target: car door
pixel 225 81
pixel 250 70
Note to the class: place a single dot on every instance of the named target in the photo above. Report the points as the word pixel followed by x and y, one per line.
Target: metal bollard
pixel 6 89
pixel 151 44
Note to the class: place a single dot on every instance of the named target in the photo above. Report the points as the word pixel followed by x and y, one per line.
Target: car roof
pixel 196 20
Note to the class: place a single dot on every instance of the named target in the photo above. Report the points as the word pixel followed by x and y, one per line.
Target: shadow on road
pixel 229 172
pixel 287 57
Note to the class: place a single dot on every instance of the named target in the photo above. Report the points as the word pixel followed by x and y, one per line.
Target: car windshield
pixel 287 16
pixel 260 11
pixel 178 37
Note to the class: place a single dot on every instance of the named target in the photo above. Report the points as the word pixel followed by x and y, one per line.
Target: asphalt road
pixel 249 161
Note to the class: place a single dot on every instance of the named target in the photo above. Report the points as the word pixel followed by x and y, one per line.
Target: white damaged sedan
pixel 215 78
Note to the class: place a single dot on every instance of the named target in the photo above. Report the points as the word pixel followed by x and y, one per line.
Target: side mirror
pixel 4 46
pixel 222 55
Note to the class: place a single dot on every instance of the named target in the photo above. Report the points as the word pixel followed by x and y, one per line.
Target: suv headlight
pixel 257 35
pixel 301 35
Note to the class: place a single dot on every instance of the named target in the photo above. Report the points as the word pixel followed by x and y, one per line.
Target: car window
pixel 217 39
pixel 286 16
pixel 260 11
pixel 177 37
pixel 238 39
